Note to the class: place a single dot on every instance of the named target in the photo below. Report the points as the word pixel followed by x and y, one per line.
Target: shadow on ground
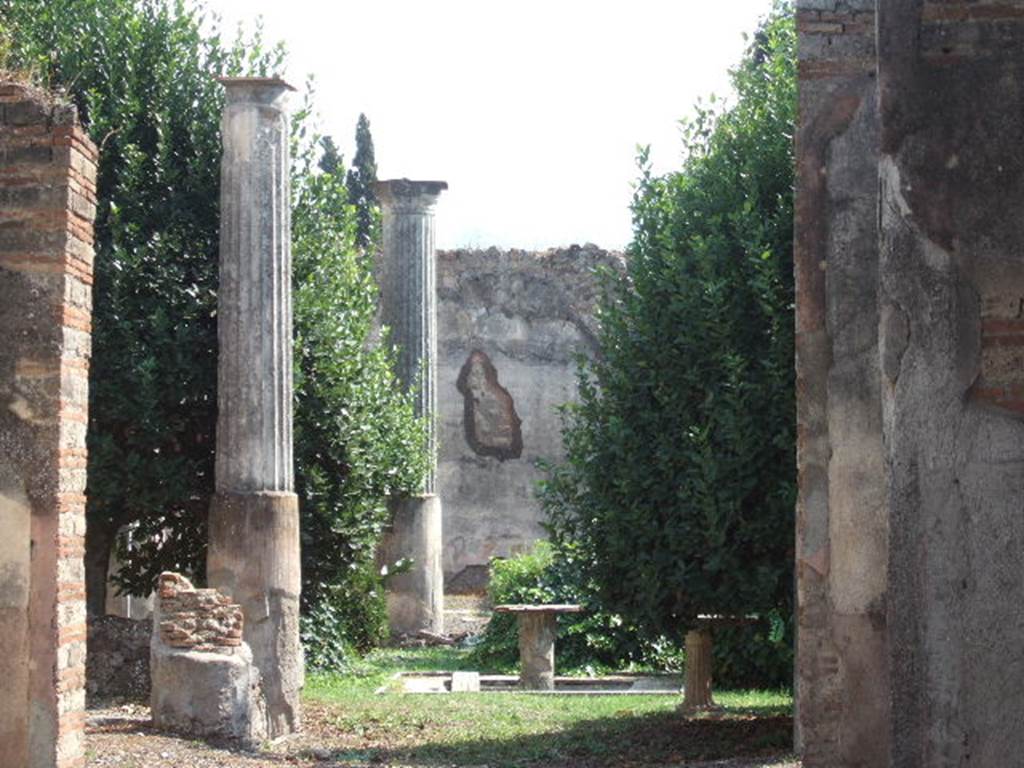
pixel 652 739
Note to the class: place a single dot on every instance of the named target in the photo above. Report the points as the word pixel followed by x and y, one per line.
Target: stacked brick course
pixel 47 205
pixel 197 619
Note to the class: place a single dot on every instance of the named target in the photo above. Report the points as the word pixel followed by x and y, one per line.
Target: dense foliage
pixel 592 639
pixel 677 495
pixel 357 440
pixel 142 73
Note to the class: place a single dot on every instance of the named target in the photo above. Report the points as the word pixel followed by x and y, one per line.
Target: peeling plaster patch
pixel 936 257
pixel 492 426
pixel 894 338
pixel 819 561
pixel 20 407
pixel 15 543
pixel 889 173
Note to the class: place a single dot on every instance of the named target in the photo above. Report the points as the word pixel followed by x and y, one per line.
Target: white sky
pixel 531 110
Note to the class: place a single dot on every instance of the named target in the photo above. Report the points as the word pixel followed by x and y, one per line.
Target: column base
pixel 416 597
pixel 253 556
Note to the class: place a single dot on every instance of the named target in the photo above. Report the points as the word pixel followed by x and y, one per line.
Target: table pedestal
pixel 537 651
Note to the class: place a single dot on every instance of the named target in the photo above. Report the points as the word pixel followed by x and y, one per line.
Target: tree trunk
pixel 697 688
pixel 99 540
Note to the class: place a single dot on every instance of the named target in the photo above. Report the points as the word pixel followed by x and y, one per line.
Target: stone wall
pixel 910 283
pixel 47 172
pixel 841 522
pixel 117 665
pixel 511 324
pixel 203 679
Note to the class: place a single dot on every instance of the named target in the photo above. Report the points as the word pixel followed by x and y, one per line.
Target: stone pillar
pixel 254 519
pixel 47 188
pixel 910 283
pixel 409 303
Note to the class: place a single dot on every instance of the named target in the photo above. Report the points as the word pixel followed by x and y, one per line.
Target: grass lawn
pixel 508 729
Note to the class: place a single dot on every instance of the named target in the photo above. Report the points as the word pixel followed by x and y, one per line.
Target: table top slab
pixel 552 608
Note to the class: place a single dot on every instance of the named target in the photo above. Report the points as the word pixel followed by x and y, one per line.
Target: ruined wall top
pixel 197 619
pixel 553 285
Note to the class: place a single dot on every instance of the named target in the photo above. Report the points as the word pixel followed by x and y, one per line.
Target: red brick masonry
pixel 197 619
pixel 47 206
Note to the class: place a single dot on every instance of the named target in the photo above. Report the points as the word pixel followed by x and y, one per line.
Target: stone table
pixel 537 630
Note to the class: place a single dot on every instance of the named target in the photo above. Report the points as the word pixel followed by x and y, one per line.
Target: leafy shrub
pixel 142 75
pixel 757 655
pixel 594 639
pixel 348 618
pixel 677 495
pixel 357 439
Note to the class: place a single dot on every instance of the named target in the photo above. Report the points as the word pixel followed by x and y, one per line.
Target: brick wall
pixel 197 619
pixel 47 205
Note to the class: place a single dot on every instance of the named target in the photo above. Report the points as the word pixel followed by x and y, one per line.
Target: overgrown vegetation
pixel 677 495
pixel 357 440
pixel 142 74
pixel 592 641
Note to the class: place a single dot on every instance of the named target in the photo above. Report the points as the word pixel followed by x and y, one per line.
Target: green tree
pixel 359 182
pixel 677 495
pixel 357 440
pixel 331 159
pixel 142 74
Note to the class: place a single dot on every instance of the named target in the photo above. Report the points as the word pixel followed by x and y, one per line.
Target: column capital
pixel 257 91
pixel 407 195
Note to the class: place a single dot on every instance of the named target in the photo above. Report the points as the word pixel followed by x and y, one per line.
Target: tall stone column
pixel 254 518
pixel 409 302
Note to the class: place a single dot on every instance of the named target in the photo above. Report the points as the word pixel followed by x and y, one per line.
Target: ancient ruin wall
pixel 910 284
pixel 511 324
pixel 841 522
pixel 197 619
pixel 47 176
pixel 951 80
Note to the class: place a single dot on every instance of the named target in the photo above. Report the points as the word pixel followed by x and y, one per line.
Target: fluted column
pixel 409 307
pixel 254 532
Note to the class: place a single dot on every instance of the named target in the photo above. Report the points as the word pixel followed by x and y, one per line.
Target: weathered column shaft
pixel 409 293
pixel 537 632
pixel 254 402
pixel 254 530
pixel 47 178
pixel 409 309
